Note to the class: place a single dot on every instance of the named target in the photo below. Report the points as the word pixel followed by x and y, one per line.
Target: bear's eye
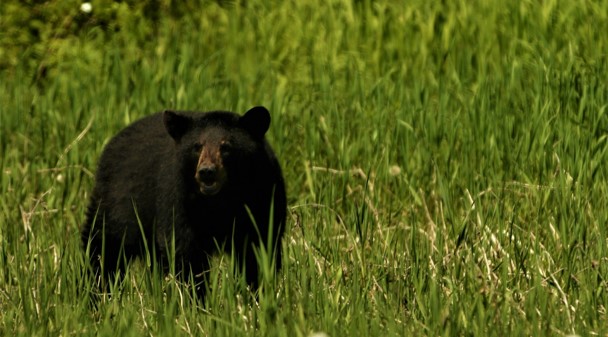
pixel 225 147
pixel 197 147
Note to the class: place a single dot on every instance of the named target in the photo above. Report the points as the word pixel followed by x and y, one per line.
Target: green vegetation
pixel 445 161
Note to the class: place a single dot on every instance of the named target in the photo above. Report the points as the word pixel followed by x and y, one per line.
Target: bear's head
pixel 216 148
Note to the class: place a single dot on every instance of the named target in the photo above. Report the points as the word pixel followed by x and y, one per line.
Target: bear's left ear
pixel 256 121
pixel 177 125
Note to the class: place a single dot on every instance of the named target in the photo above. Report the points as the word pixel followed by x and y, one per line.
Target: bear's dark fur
pixel 192 178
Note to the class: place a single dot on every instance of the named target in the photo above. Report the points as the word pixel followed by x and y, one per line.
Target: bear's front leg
pixel 251 267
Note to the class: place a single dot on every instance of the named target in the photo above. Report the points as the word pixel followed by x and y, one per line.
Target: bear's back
pixel 127 172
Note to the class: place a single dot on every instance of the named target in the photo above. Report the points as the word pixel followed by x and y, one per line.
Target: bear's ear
pixel 256 121
pixel 176 124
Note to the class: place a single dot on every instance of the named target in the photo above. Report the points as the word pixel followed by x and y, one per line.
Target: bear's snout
pixel 210 179
pixel 207 173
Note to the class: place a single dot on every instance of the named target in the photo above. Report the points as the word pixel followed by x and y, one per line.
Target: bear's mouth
pixel 210 179
pixel 209 188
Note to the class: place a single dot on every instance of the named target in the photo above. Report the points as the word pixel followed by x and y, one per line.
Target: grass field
pixel 446 166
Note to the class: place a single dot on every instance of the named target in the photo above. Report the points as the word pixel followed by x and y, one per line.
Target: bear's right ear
pixel 176 124
pixel 256 120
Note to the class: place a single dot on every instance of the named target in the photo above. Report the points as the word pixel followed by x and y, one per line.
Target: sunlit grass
pixel 445 166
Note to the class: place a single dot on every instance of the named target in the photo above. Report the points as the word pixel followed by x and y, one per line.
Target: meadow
pixel 445 164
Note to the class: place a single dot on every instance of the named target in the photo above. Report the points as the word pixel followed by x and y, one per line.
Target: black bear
pixel 191 182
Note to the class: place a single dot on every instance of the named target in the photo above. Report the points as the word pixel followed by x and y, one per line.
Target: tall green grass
pixel 445 163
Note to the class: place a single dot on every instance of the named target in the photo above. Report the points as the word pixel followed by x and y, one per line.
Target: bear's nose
pixel 207 173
